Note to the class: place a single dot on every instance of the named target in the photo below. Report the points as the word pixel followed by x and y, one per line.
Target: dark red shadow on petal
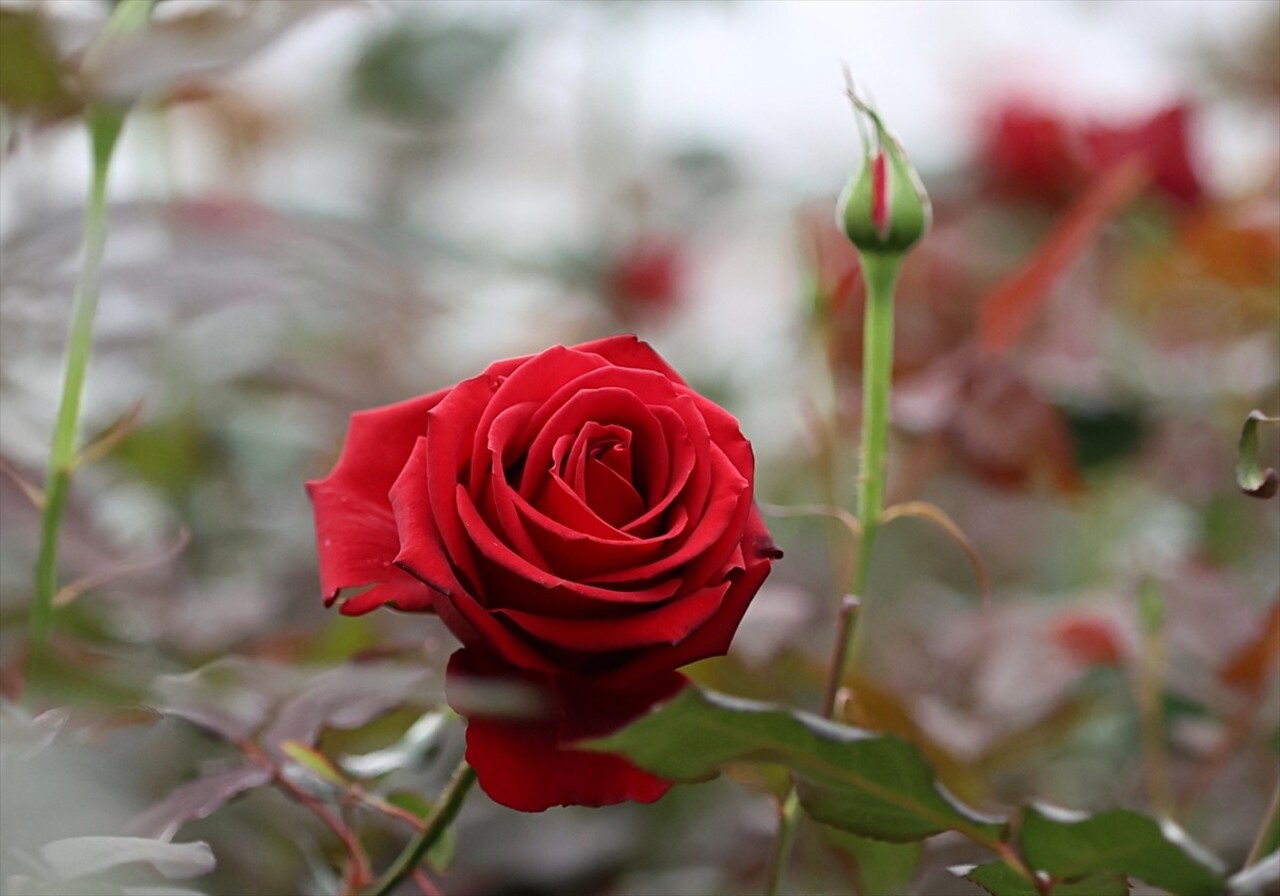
pixel 523 761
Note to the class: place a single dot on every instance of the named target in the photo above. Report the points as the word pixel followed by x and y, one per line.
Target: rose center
pixel 599 470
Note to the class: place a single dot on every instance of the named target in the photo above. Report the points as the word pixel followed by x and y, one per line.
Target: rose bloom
pixel 582 521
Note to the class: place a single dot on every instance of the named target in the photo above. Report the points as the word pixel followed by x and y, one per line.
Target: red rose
pixel 581 520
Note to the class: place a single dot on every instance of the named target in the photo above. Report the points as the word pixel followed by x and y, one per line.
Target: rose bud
pixel 884 208
pixel 582 521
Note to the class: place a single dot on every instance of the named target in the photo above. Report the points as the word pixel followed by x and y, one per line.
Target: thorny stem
pixel 881 275
pixel 105 124
pixel 880 272
pixel 359 871
pixel 446 809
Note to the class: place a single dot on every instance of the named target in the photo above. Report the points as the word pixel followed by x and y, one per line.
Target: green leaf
pixel 440 855
pixel 1252 479
pixel 879 867
pixel 999 879
pixel 876 786
pixel 1069 845
pixel 315 762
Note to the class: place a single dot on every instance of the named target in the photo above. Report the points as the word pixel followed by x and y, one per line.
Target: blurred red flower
pixel 645 277
pixel 1032 152
pixel 1089 638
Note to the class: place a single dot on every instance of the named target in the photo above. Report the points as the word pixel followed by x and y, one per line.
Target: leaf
pixel 440 855
pixel 197 799
pixel 999 879
pixel 83 856
pixel 1262 878
pixel 416 743
pixel 934 514
pixel 347 696
pixel 125 67
pixel 31 75
pixel 23 736
pixel 1252 479
pixel 315 763
pixel 868 704
pixel 1010 308
pixel 879 867
pixel 873 785
pixel 231 697
pixel 1247 668
pixel 1069 845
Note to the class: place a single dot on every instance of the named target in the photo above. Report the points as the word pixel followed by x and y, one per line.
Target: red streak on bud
pixel 880 195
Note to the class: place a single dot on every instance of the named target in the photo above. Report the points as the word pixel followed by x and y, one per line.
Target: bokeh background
pixel 321 206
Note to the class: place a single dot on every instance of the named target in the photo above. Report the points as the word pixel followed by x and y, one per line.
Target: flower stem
pixel 105 124
pixel 104 128
pixel 436 824
pixel 788 822
pixel 880 272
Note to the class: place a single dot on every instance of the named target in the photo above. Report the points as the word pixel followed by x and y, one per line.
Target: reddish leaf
pixel 1248 667
pixel 348 697
pixel 197 799
pixel 1011 307
pixel 231 697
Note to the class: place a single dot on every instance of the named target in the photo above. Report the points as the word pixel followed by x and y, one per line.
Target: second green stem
pixel 880 273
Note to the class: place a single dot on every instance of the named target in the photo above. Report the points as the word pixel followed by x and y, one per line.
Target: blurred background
pixel 321 206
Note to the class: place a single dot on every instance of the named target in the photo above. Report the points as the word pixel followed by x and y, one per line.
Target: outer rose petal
pixel 525 764
pixel 712 639
pixel 356 536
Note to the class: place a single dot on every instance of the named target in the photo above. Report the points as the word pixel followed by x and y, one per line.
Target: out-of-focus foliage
pixel 322 207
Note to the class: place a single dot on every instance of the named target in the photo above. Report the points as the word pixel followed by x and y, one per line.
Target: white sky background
pixel 763 76
pixel 758 78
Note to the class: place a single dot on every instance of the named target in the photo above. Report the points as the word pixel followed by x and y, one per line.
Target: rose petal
pixel 356 536
pixel 668 624
pixel 709 542
pixel 525 764
pixel 424 557
pixel 630 351
pixel 516 582
pixel 712 639
pixel 535 381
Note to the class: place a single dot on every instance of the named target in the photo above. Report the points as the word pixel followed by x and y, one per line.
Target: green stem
pixel 880 272
pixel 436 824
pixel 105 124
pixel 788 824
pixel 104 128
pixel 1150 686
